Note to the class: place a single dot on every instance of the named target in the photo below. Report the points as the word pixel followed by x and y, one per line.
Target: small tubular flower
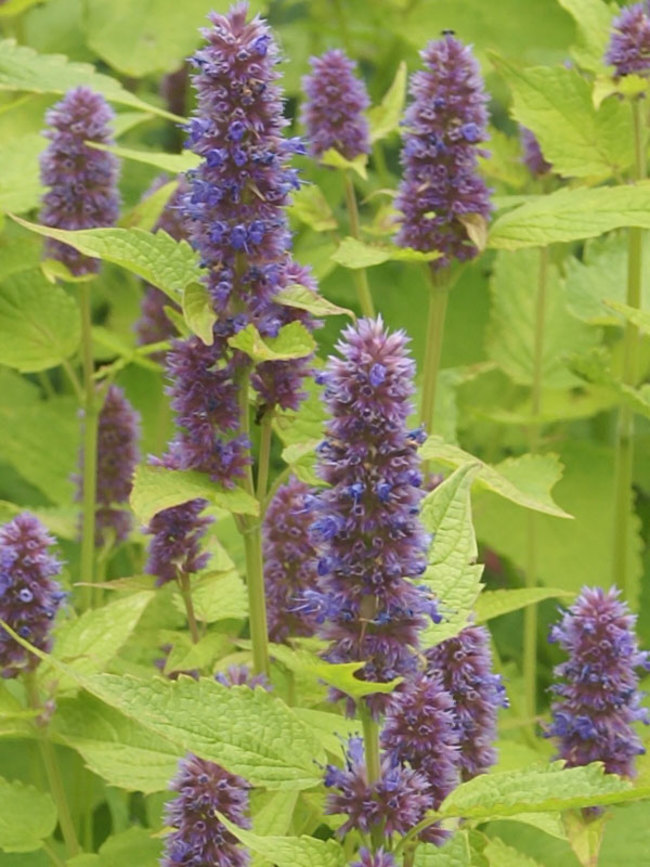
pixel 444 127
pixel 629 45
pixel 333 113
pixel 464 664
pixel 82 180
pixel 380 858
pixel 598 698
pixel 29 597
pixel 198 836
pixel 241 675
pixel 176 545
pixel 532 157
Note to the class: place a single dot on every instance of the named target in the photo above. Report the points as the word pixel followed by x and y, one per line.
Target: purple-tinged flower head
pixel 395 802
pixel 380 858
pixel 598 699
pixel 198 836
pixel 533 158
pixel 629 46
pixel 464 664
pixel 29 597
pixel 366 527
pixel 176 545
pixel 289 561
pixel 82 181
pixel 241 675
pixel 420 731
pixel 336 101
pixel 444 127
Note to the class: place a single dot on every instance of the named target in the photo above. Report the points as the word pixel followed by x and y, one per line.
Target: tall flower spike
pixel 629 46
pixel 367 530
pixel 333 112
pixel 289 561
pixel 198 836
pixel 533 158
pixel 464 664
pixel 82 180
pixel 176 545
pixel 444 126
pixel 598 699
pixel 29 597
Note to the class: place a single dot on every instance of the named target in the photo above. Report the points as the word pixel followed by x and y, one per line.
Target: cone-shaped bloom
pixel 533 158
pixel 333 112
pixel 289 561
pixel 367 529
pixel 464 664
pixel 444 127
pixel 29 597
pixel 629 46
pixel 82 181
pixel 176 545
pixel 598 699
pixel 374 859
pixel 198 836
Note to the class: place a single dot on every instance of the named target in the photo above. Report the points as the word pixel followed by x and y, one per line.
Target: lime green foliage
pixel 27 817
pixel 293 341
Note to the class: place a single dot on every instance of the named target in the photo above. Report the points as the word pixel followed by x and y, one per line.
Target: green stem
pixel 74 380
pixel 439 293
pixel 54 858
pixel 530 612
pixel 264 461
pixel 373 761
pixel 91 419
pixel 360 274
pixel 624 452
pixel 46 385
pixel 186 593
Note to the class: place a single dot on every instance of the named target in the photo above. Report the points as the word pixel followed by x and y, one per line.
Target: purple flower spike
pixel 464 664
pixel 82 181
pixel 369 538
pixel 336 100
pixel 198 837
pixel 289 561
pixel 176 545
pixel 445 126
pixel 598 698
pixel 629 47
pixel 374 859
pixel 240 675
pixel 532 157
pixel 29 598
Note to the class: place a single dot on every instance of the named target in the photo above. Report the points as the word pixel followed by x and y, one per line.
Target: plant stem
pixel 264 461
pixel 186 593
pixel 54 858
pixel 439 291
pixel 91 418
pixel 624 453
pixel 373 761
pixel 360 274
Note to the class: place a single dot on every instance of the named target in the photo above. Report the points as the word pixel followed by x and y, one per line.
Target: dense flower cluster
pixel 533 158
pixel 369 538
pixel 629 46
pixel 82 181
pixel 444 126
pixel 198 836
pixel 333 112
pixel 176 545
pixel 29 598
pixel 374 859
pixel 598 698
pixel 464 664
pixel 241 675
pixel 289 561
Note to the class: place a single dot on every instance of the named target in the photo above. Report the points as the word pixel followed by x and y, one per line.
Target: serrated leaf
pixel 27 817
pixel 336 160
pixel 499 854
pixel 293 341
pixel 175 164
pixel 218 596
pixel 185 656
pixel 199 312
pixel 22 68
pixel 306 299
pixel 571 215
pixel 310 206
pixel 158 488
pixel 384 118
pixel 594 22
pixel 528 483
pixel 290 851
pixel 494 603
pixel 145 214
pixel 455 852
pixel 353 253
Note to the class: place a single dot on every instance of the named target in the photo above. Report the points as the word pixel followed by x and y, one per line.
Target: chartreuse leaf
pixel 293 341
pixel 217 596
pixel 27 817
pixel 22 68
pixel 499 854
pixel 528 481
pixel 146 213
pixel 353 253
pixel 306 299
pixel 454 853
pixel 173 163
pixel 15 7
pixel 311 207
pixel 452 573
pixel 199 312
pixel 290 851
pixel 571 215
pixel 385 117
pixel 640 318
pixel 336 160
pixel 135 846
pixel 511 332
pixel 39 323
pixel 168 264
pixel 494 603
pixel 249 732
pixel 594 22
pixel 158 488
pixel 20 187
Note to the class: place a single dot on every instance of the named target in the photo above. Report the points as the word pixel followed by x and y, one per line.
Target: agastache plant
pixel 629 47
pixel 532 157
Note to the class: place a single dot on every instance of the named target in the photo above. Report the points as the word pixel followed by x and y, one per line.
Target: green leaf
pixel 494 603
pixel 384 118
pixel 22 68
pixel 306 299
pixel 571 215
pixel 310 206
pixel 527 480
pixel 353 253
pixel 290 851
pixel 199 312
pixel 499 854
pixel 175 164
pixel 39 323
pixel 27 817
pixel 217 596
pixel 15 7
pixel 454 853
pixel 594 22
pixel 168 264
pixel 640 318
pixel 247 731
pixel 510 339
pixel 135 846
pixel 336 160
pixel 158 488
pixel 145 214
pixel 293 341
pixel 20 186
